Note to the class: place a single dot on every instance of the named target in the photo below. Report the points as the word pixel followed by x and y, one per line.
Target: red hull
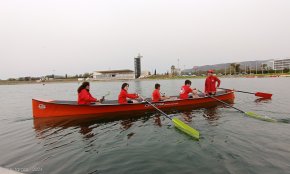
pixel 54 109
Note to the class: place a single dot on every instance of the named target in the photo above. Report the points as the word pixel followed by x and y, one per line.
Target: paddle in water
pixel 258 94
pixel 178 123
pixel 249 114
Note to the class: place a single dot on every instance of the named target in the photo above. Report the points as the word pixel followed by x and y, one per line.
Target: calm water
pixel 230 142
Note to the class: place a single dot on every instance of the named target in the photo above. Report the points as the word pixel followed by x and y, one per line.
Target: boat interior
pixel 115 102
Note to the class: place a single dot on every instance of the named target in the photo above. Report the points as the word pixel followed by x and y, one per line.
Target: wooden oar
pixel 249 114
pixel 258 94
pixel 178 123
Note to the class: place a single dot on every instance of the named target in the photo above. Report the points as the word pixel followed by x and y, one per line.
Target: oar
pixel 108 93
pixel 178 123
pixel 103 98
pixel 258 94
pixel 250 114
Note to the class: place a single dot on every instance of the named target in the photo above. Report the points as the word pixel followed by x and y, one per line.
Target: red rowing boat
pixel 58 108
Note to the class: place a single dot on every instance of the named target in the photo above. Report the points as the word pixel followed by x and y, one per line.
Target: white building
pixel 124 74
pixel 281 64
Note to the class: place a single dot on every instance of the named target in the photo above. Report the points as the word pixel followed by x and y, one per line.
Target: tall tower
pixel 137 63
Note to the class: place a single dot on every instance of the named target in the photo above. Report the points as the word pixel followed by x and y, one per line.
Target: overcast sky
pixel 40 37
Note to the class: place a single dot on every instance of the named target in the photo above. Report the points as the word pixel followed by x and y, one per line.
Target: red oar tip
pixel 263 95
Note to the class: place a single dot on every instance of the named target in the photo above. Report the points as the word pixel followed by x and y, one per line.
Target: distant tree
pixel 66 76
pixel 173 70
pixel 155 72
pixel 238 69
pixel 35 78
pixel 235 67
pixel 11 79
pixel 232 68
pixel 86 75
pixel 263 67
pixel 27 78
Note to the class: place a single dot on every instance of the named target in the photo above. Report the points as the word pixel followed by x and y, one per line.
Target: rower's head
pixel 157 86
pixel 187 82
pixel 125 86
pixel 85 85
pixel 210 72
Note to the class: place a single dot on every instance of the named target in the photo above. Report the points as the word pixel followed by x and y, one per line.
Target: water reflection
pixel 45 127
pixel 86 131
pixel 126 124
pixel 85 126
pixel 157 121
pixel 130 135
pixel 138 87
pixel 187 116
pixel 211 114
pixel 263 100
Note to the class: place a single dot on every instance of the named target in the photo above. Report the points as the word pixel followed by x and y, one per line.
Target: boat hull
pixel 43 108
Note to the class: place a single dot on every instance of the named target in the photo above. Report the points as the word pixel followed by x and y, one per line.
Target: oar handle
pixel 223 102
pixel 238 91
pixel 154 107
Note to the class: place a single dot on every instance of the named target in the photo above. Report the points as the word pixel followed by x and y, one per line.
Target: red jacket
pixel 85 98
pixel 185 90
pixel 124 95
pixel 156 97
pixel 210 84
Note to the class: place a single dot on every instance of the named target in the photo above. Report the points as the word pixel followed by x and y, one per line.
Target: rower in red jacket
pixel 84 95
pixel 186 90
pixel 124 95
pixel 156 96
pixel 211 83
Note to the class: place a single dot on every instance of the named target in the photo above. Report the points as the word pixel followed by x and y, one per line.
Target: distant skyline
pixel 39 37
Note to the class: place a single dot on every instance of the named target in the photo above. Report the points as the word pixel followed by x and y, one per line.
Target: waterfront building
pixel 269 64
pixel 281 64
pixel 124 74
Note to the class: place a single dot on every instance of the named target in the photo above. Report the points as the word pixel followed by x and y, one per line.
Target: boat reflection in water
pixel 211 114
pixel 157 121
pixel 187 116
pixel 84 124
pixel 263 100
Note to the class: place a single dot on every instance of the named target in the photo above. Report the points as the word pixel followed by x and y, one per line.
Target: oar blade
pixel 259 117
pixel 185 128
pixel 263 95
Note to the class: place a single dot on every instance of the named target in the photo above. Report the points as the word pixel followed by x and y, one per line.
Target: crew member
pixel 156 96
pixel 84 95
pixel 186 90
pixel 211 83
pixel 124 95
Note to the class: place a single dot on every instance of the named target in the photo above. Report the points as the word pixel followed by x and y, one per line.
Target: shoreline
pixel 158 77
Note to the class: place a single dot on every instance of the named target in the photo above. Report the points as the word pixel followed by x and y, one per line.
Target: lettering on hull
pixel 41 106
pixel 160 104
